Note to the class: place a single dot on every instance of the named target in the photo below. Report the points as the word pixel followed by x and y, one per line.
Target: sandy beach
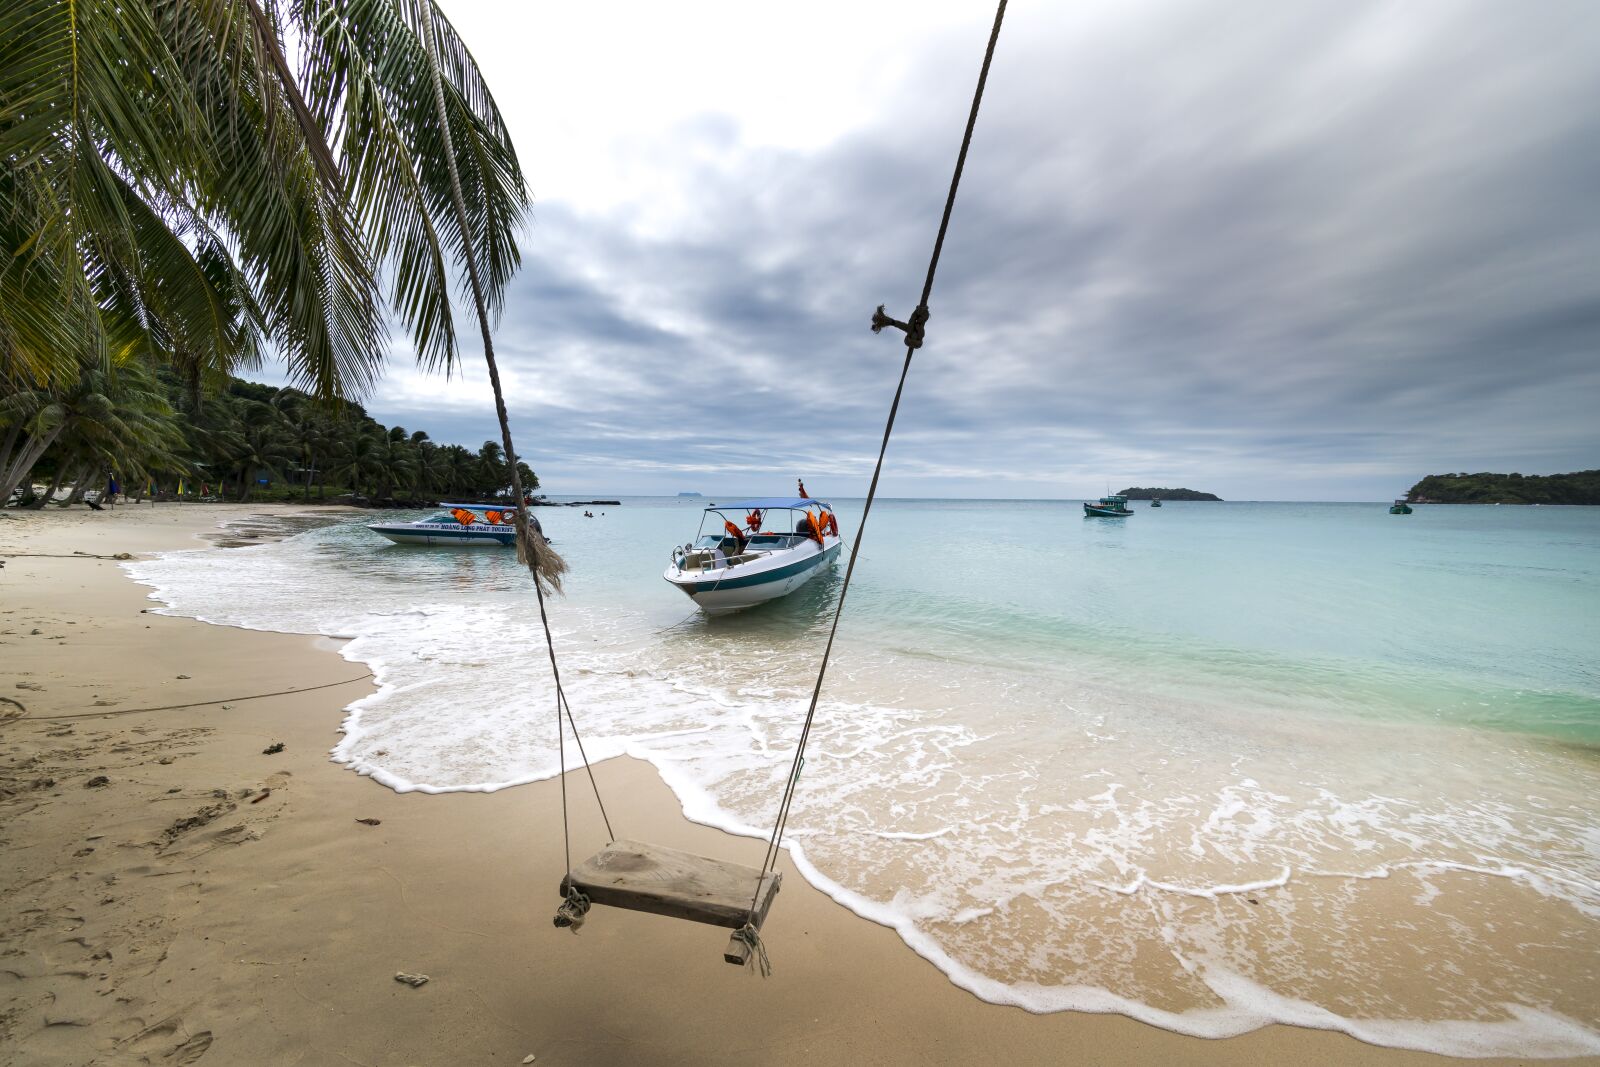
pixel 172 894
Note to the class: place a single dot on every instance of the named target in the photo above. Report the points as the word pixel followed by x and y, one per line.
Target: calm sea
pixel 1213 765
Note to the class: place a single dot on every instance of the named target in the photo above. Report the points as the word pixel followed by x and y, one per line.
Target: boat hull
pixel 464 537
pixel 744 586
pixel 1104 513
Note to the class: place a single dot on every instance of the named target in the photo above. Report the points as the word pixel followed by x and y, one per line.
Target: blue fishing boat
pixel 1108 507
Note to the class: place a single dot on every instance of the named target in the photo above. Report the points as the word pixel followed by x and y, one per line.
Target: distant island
pixel 1168 494
pixel 688 494
pixel 1579 487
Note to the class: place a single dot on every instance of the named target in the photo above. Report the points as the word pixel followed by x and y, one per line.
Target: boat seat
pixel 681 885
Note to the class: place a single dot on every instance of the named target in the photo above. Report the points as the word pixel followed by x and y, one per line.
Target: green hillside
pixel 1580 487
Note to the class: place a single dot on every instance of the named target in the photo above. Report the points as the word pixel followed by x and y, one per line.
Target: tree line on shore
pixel 153 437
pixel 1137 493
pixel 1579 487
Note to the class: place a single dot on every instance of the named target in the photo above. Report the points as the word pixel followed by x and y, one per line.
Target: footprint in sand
pixel 193 1048
pixel 162 1040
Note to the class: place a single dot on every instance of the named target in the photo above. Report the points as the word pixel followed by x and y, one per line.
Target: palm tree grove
pixel 181 201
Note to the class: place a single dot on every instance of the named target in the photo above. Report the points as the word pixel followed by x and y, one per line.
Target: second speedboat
pixel 458 524
pixel 739 566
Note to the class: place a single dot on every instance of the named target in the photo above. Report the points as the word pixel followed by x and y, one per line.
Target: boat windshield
pixel 712 541
pixel 772 542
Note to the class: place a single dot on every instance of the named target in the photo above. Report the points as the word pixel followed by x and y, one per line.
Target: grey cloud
pixel 1302 250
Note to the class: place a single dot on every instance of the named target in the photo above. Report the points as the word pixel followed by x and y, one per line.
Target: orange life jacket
pixel 493 517
pixel 753 521
pixel 464 517
pixel 737 534
pixel 813 528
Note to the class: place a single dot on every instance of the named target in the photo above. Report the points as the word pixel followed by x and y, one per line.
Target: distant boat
pixel 1155 502
pixel 1399 507
pixel 459 524
pixel 1109 507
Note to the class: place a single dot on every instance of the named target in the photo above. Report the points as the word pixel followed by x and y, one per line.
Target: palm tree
pixel 356 461
pixel 462 468
pixel 106 416
pixel 396 463
pixel 542 561
pixel 170 185
pixel 263 445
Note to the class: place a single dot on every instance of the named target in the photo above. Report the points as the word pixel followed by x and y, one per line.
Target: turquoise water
pixel 1478 615
pixel 1197 765
pixel 1481 616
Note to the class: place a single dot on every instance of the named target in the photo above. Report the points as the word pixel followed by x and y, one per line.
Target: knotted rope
pixel 913 330
pixel 573 909
pixel 756 959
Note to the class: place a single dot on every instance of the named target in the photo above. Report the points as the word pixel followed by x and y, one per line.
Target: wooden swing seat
pixel 680 885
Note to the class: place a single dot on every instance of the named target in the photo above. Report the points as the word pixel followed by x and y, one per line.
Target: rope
pixel 542 570
pixel 757 959
pixel 573 909
pixel 587 766
pixel 172 707
pixel 63 555
pixel 561 739
pixel 913 330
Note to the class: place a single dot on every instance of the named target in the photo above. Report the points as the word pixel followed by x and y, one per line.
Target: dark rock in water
pixel 1168 494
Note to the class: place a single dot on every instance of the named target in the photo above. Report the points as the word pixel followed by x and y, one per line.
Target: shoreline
pixel 280 922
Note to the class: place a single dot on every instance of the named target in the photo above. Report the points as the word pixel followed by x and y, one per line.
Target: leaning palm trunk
pixel 533 551
pixel 23 461
pixel 80 486
pixel 55 485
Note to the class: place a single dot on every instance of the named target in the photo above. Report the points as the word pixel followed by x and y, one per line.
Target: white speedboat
pixel 739 566
pixel 457 524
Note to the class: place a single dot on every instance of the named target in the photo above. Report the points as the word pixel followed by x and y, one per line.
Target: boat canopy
pixel 765 502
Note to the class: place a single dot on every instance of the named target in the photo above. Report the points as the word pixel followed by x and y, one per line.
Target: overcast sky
pixel 1276 250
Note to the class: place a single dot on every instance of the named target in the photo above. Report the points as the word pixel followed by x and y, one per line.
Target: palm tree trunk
pixel 9 444
pixel 80 485
pixel 26 457
pixel 49 494
pixel 542 561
